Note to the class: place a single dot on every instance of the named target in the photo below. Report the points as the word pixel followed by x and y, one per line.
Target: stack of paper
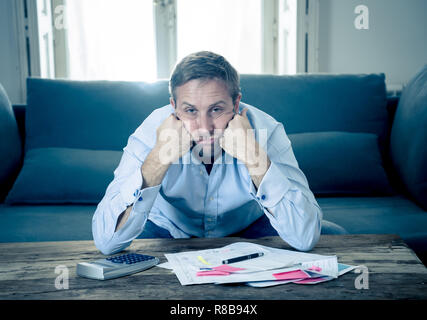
pixel 274 267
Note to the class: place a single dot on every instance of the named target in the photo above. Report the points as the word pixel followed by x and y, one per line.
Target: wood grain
pixel 27 271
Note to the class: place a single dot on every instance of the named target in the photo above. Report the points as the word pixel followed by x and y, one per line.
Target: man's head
pixel 205 92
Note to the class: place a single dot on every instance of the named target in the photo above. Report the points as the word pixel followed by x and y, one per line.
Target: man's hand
pixel 238 138
pixel 173 140
pixel 239 141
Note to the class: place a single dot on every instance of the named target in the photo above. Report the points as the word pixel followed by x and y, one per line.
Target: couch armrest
pixel 11 147
pixel 19 111
pixel 408 138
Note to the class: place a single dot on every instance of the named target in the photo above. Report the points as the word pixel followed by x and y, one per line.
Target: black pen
pixel 243 258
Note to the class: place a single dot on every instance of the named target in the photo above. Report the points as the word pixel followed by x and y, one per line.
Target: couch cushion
pixel 321 102
pixel 379 215
pixel 63 175
pixel 46 222
pixel 341 163
pixel 98 115
pixel 10 145
pixel 409 138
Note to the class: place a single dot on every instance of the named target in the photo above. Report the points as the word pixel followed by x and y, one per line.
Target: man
pixel 207 165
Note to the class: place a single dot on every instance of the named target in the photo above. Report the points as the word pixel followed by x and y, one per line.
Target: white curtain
pixel 230 28
pixel 110 40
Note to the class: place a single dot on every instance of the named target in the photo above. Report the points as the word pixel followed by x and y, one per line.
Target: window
pixel 141 40
pixel 230 28
pixel 110 39
pixel 287 37
pixel 45 39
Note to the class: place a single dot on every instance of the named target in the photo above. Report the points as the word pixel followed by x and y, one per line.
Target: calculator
pixel 116 266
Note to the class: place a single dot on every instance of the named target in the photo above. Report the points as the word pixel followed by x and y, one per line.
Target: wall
pixel 395 43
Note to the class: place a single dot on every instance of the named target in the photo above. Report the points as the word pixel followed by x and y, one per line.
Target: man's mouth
pixel 206 140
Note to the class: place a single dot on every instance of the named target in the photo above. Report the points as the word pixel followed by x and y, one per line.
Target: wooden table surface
pixel 27 271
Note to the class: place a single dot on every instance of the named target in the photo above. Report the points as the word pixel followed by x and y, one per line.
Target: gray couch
pixel 363 153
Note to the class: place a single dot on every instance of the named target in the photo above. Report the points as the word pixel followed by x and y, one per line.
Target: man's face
pixel 205 108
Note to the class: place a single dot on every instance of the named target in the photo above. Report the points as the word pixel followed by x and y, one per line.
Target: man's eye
pixel 216 109
pixel 190 110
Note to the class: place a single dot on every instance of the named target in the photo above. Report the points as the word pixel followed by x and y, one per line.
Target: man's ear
pixel 172 102
pixel 236 104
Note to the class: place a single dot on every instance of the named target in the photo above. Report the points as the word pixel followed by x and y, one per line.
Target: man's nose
pixel 205 123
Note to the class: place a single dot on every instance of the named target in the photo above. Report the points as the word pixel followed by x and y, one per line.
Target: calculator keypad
pixel 130 258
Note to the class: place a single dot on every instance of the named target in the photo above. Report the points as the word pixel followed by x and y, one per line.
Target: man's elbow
pixel 314 236
pixel 105 245
pixel 104 248
pixel 310 243
pixel 108 248
pixel 309 237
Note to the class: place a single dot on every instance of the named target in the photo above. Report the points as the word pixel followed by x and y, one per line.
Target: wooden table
pixel 27 271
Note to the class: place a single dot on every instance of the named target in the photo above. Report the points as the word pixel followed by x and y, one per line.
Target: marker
pixel 243 258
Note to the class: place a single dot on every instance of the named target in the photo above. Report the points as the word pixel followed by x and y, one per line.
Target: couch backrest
pixel 321 102
pixel 102 114
pixel 97 115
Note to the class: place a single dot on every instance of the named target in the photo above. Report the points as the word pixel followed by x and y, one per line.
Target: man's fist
pixel 173 140
pixel 238 140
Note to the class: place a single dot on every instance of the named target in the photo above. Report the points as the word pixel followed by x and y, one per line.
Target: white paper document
pixel 205 266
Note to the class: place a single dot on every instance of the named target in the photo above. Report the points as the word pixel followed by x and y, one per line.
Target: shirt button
pixel 140 199
pixel 263 197
pixel 211 198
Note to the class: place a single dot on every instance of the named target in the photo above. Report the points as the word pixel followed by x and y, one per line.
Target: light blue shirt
pixel 189 202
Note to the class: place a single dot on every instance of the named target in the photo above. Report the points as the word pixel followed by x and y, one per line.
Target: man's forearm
pixel 123 217
pixel 258 171
pixel 153 171
pixel 258 165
